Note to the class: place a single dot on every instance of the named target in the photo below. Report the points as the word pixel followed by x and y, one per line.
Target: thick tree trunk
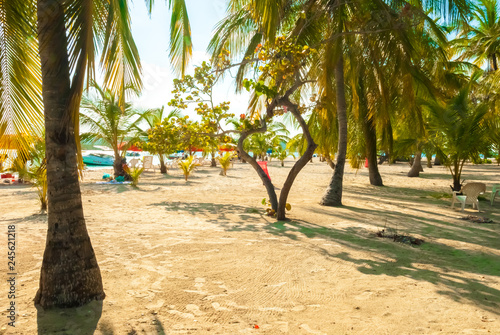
pixel 282 163
pixel 370 137
pixel 213 162
pixel 163 167
pixel 333 195
pixel 457 185
pixel 437 161
pixel 118 166
pixel 416 167
pixel 69 275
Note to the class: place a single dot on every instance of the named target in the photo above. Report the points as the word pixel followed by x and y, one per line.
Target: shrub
pixel 188 166
pixel 225 161
pixel 135 174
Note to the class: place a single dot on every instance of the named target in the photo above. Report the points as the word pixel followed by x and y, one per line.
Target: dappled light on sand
pixel 203 256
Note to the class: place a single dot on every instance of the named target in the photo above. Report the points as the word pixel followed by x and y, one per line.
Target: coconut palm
pixel 326 26
pixel 70 35
pixel 281 154
pixel 463 128
pixel 110 123
pixel 188 166
pixel 479 38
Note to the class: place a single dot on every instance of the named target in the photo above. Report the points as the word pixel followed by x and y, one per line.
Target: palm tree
pixel 479 38
pixel 21 109
pixel 110 123
pixel 70 34
pixel 463 128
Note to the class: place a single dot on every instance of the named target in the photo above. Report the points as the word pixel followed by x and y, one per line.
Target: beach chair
pixel 470 192
pixel 147 163
pixel 133 163
pixel 494 191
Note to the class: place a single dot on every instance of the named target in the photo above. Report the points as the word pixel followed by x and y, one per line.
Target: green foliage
pixel 109 120
pixel 33 169
pixel 197 90
pixel 225 161
pixel 187 166
pixel 272 212
pixel 281 154
pixel 462 126
pixel 135 174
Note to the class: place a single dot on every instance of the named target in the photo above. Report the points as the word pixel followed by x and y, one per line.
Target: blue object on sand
pixel 105 176
pixel 120 178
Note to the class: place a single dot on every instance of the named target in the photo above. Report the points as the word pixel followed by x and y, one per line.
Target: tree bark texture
pixel 333 195
pixel 416 167
pixel 70 275
pixel 273 199
pixel 370 135
pixel 301 162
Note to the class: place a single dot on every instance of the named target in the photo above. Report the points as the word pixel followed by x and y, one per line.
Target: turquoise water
pixel 156 160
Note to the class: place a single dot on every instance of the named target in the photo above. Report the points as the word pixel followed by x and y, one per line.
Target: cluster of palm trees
pixel 385 75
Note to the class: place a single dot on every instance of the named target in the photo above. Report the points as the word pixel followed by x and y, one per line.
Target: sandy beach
pixel 202 257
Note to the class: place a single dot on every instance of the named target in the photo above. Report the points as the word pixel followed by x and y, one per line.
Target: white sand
pixel 201 257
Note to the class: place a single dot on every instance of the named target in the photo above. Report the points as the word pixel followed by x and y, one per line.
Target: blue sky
pixel 152 38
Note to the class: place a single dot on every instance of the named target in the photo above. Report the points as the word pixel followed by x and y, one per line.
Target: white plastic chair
pixel 494 191
pixel 133 163
pixel 147 163
pixel 470 193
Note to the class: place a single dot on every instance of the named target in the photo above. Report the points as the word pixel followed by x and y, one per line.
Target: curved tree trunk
pixel 69 275
pixel 370 136
pixel 416 167
pixel 301 162
pixel 330 162
pixel 333 195
pixel 273 199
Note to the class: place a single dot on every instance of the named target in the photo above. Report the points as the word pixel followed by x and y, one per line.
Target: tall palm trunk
pixel 70 275
pixel 370 136
pixel 333 195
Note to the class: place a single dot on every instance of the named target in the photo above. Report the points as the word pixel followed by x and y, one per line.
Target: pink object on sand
pixel 263 165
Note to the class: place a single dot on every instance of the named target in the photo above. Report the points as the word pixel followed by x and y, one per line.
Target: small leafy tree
pixel 154 117
pixel 163 138
pixel 198 90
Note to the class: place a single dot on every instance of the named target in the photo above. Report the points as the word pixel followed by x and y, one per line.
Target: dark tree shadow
pixel 75 321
